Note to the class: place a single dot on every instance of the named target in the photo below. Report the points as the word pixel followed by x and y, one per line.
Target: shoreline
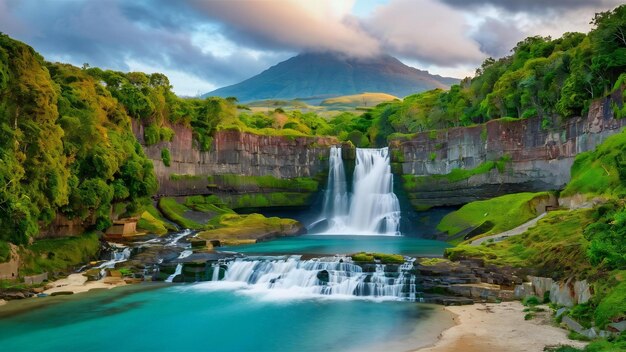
pixel 498 327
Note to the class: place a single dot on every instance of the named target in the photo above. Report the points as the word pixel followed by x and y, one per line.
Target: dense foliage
pixel 542 77
pixel 66 146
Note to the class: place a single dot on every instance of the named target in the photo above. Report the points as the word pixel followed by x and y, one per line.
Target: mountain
pixel 324 75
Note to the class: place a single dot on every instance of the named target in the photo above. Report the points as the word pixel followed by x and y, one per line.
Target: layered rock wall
pixel 233 153
pixel 536 158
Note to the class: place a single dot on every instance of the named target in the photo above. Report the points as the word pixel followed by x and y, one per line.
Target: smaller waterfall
pixel 178 237
pixel 216 272
pixel 178 271
pixel 331 276
pixel 118 255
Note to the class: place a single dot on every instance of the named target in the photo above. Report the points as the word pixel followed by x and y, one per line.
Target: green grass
pixel 299 184
pixel 273 199
pixel 505 212
pixel 175 212
pixel 59 254
pixel 359 100
pixel 612 299
pixel 555 247
pixel 601 171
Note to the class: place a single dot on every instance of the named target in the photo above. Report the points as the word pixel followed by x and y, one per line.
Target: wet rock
pixel 323 276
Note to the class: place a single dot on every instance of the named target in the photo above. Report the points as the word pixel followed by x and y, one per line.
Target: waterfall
pixel 118 255
pixel 178 271
pixel 332 276
pixel 372 208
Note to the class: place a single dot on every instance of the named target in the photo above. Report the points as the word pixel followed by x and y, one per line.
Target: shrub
pixel 165 156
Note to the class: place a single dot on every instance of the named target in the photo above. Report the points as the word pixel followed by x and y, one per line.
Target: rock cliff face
pixel 530 157
pixel 234 153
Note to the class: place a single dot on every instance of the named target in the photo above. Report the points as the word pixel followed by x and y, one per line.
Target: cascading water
pixel 178 271
pixel 118 255
pixel 372 208
pixel 332 276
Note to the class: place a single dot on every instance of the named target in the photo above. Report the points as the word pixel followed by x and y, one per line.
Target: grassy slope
pixel 555 246
pixel 505 212
pixel 59 254
pixel 601 171
pixel 363 99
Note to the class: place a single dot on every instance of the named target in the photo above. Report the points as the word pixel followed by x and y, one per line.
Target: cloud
pixel 497 37
pixel 291 24
pixel 109 34
pixel 527 5
pixel 425 30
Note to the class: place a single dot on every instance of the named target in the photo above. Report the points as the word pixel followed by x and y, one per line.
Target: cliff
pixel 245 170
pixel 460 165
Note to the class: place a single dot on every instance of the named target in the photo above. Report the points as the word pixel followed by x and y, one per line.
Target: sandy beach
pixel 499 327
pixel 77 283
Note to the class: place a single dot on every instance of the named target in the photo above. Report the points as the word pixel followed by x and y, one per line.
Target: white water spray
pixel 372 208
pixel 338 277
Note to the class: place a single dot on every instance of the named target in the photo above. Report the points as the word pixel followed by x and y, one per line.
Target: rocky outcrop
pixel 235 153
pixel 566 293
pixel 532 158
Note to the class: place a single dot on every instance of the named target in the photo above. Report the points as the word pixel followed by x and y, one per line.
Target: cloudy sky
pixel 205 44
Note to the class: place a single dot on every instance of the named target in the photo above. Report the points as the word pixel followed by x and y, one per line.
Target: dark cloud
pixel 110 33
pixel 528 5
pixel 496 37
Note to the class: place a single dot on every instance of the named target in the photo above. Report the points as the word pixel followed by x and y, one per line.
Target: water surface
pixel 344 244
pixel 201 317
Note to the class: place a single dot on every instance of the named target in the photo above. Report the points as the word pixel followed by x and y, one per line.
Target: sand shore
pixel 499 327
pixel 77 283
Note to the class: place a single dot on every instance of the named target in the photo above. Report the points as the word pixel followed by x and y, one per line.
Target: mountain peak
pixel 329 74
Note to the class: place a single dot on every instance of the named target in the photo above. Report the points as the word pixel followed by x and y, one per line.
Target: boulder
pixel 541 285
pixel 572 324
pixel 562 294
pixel 617 327
pixel 582 291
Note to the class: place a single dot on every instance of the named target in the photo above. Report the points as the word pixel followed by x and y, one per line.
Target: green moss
pixel 150 224
pixel 207 204
pixel 180 177
pixel 383 258
pixel 411 182
pixel 363 257
pixel 155 213
pixel 59 254
pixel 555 246
pixel 237 227
pixel 433 261
pixel 175 212
pixel 165 157
pixel 299 184
pixel 262 200
pixel 505 212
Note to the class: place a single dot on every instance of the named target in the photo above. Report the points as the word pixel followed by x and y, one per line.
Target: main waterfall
pixel 372 208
